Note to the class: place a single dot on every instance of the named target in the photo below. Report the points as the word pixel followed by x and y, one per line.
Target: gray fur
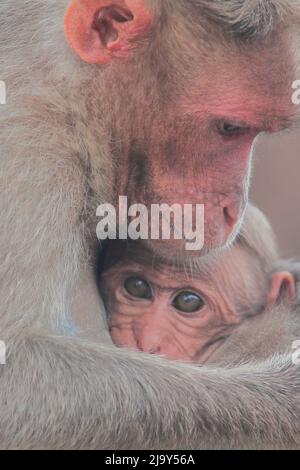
pixel 250 18
pixel 67 393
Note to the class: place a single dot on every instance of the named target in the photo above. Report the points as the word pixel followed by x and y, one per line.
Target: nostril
pixel 154 351
pixel 148 350
pixel 230 217
pixel 147 345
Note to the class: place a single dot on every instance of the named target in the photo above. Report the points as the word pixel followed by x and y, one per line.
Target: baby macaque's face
pixel 165 314
pixel 159 308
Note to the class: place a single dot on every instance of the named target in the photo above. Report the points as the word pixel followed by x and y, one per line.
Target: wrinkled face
pixel 166 315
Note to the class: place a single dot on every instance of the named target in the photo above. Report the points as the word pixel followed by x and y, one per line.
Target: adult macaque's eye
pixel 137 287
pixel 227 128
pixel 188 302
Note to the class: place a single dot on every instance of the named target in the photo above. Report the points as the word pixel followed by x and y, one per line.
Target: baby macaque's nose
pixel 149 343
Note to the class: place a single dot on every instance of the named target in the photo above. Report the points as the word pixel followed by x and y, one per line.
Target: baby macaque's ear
pixel 282 285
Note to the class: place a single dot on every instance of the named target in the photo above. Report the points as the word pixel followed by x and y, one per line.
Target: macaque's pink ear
pixel 282 283
pixel 99 30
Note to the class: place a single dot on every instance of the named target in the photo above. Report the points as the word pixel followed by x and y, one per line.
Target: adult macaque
pixel 160 101
pixel 186 314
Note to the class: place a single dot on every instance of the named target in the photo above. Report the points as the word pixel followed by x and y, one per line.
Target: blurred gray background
pixel 276 187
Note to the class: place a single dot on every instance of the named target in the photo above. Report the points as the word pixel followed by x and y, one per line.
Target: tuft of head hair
pixel 251 18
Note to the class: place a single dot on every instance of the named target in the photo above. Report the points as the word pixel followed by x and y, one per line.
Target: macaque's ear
pixel 99 30
pixel 282 283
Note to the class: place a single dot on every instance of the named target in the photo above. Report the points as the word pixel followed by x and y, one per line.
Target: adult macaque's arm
pixel 90 396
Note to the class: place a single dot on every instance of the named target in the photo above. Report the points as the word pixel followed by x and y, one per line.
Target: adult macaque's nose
pixel 221 221
pixel 231 215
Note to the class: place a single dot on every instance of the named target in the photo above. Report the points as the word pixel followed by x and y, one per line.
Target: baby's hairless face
pixel 165 314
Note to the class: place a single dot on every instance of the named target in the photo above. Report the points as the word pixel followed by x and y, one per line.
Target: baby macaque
pixel 186 312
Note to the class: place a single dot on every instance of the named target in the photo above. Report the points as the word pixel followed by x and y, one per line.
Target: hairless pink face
pixel 176 323
pixel 179 320
pixel 170 316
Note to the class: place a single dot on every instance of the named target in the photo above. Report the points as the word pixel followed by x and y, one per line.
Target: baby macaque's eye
pixel 138 288
pixel 188 302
